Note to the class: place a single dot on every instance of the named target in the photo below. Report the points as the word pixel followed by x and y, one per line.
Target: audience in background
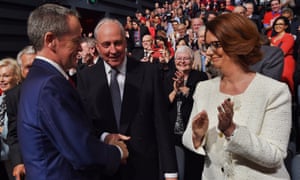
pixel 284 40
pixel 152 36
pixel 25 59
pixel 180 86
pixel 10 76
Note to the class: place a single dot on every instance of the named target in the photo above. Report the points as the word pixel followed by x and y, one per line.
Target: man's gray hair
pixel 106 20
pixel 48 18
pixel 25 50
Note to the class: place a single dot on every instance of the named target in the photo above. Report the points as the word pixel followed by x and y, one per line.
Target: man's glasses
pixel 214 45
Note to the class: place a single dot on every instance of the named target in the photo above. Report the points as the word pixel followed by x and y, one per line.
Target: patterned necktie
pixel 115 95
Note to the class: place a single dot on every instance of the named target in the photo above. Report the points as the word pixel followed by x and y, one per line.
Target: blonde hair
pixel 12 63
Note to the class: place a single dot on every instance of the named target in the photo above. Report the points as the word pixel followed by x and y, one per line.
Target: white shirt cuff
pixel 171 175
pixel 103 136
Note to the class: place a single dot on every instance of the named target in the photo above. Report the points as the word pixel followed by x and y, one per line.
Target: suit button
pixel 222 169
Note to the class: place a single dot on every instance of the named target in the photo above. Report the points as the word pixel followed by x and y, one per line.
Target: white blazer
pixel 258 147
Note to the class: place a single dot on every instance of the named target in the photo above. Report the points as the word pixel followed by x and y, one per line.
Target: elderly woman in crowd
pixel 10 76
pixel 241 120
pixel 180 87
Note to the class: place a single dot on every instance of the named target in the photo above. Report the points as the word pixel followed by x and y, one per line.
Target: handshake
pixel 119 141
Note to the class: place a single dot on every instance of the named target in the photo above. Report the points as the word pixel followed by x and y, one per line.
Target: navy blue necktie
pixel 115 95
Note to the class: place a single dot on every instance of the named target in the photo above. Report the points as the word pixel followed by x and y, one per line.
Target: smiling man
pixel 55 135
pixel 124 96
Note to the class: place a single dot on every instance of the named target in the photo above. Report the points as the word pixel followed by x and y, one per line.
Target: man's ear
pixel 49 40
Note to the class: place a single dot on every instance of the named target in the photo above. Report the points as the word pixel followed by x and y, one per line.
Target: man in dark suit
pixel 254 17
pixel 271 64
pixel 55 135
pixel 143 111
pixel 135 48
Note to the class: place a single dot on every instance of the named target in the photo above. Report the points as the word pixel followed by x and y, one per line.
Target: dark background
pixel 14 14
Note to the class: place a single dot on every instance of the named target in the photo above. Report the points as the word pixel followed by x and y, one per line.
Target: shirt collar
pixel 54 64
pixel 121 68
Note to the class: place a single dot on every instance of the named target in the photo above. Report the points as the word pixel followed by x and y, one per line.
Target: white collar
pixel 54 64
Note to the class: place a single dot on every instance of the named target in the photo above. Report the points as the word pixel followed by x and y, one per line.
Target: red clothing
pixel 286 43
pixel 152 32
pixel 156 51
pixel 230 7
pixel 268 20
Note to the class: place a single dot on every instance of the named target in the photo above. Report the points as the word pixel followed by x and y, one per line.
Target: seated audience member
pixel 201 63
pixel 163 50
pixel 196 23
pixel 25 59
pixel 285 41
pixel 200 57
pixel 240 121
pixel 240 10
pixel 254 17
pixel 147 46
pixel 10 76
pixel 88 53
pixel 270 16
pixel 180 87
pixel 134 43
pixel 294 21
pixel 181 42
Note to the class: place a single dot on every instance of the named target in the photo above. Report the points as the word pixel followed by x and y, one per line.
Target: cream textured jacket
pixel 258 147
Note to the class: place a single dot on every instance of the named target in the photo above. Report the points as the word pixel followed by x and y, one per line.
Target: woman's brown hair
pixel 239 38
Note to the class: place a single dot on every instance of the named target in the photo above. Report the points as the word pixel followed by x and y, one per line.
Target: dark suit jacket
pixel 257 21
pixel 12 100
pixel 143 117
pixel 271 64
pixel 137 53
pixel 54 132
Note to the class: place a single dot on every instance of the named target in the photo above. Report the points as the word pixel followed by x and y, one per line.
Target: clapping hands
pixel 225 125
pixel 225 116
pixel 178 80
pixel 199 127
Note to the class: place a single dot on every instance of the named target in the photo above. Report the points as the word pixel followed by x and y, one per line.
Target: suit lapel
pixel 103 97
pixel 131 97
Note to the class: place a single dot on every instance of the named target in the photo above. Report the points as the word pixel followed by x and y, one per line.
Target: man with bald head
pixel 125 97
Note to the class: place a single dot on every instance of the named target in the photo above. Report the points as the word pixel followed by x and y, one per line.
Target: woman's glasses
pixel 214 45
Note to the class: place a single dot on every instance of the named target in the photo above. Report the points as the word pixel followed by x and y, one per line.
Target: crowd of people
pixel 189 90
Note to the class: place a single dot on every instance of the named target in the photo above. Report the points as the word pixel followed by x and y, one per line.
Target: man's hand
pixel 124 149
pixel 112 138
pixel 19 171
pixel 171 178
pixel 118 140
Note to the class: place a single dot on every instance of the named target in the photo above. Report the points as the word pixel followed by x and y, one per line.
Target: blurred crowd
pixel 173 38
